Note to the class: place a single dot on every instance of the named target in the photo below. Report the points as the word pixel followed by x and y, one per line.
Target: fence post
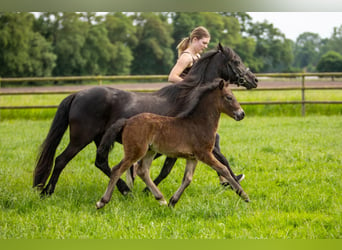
pixel 303 95
pixel 99 80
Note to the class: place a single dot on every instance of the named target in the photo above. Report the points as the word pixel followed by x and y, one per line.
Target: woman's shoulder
pixel 186 58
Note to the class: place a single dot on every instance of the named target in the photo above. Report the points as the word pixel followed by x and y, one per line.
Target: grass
pixel 293 177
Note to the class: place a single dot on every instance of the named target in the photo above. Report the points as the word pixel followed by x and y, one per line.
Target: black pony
pixel 89 113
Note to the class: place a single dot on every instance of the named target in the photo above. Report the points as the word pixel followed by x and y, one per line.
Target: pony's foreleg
pixel 117 171
pixel 167 167
pixel 221 158
pixel 143 172
pixel 209 159
pixel 189 172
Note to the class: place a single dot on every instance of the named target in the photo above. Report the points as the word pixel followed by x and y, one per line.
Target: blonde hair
pixel 198 32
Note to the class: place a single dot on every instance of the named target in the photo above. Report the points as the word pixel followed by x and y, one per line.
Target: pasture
pixel 293 177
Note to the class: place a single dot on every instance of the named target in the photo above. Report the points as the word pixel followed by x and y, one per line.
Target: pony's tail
pixel 109 138
pixel 48 148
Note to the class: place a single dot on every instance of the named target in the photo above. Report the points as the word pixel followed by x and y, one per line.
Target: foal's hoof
pixel 162 202
pixel 100 204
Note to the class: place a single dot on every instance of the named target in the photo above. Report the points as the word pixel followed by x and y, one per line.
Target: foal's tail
pixel 109 138
pixel 48 148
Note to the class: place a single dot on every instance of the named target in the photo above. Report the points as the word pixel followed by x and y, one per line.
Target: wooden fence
pixel 99 79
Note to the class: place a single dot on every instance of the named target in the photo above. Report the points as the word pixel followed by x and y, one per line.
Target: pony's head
pixel 223 63
pixel 234 70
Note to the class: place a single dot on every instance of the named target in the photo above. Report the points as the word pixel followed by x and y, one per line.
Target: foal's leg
pixel 167 167
pixel 209 159
pixel 189 172
pixel 101 162
pixel 143 171
pixel 117 171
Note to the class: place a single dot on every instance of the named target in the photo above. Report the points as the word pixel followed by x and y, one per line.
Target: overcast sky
pixel 292 24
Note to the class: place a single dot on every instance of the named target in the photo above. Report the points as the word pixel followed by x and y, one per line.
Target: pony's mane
pixel 183 98
pixel 197 73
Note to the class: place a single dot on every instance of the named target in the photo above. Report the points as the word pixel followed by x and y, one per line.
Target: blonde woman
pixel 189 50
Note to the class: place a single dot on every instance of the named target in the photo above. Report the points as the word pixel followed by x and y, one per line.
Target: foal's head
pixel 228 103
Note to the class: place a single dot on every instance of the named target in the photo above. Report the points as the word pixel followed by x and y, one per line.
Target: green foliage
pixel 330 62
pixel 23 52
pixel 335 41
pixel 153 52
pixel 272 48
pixel 292 168
pixel 307 50
pixel 117 43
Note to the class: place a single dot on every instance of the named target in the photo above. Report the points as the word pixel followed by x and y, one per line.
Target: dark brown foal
pixel 190 136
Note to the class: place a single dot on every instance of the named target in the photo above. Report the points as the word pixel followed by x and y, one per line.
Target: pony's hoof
pixel 247 200
pixel 46 192
pixel 172 202
pixel 100 204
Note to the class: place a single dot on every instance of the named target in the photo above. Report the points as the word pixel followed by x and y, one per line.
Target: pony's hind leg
pixel 143 172
pixel 189 172
pixel 60 163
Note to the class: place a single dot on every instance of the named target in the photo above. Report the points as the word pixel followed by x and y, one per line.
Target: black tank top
pixel 186 70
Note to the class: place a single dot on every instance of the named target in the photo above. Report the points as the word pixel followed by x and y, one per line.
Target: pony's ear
pixel 221 84
pixel 219 47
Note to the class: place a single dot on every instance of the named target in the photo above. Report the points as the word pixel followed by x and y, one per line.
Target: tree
pixel 307 50
pixel 97 51
pixel 335 41
pixel 330 62
pixel 153 55
pixel 70 39
pixel 122 34
pixel 121 29
pixel 23 52
pixel 272 47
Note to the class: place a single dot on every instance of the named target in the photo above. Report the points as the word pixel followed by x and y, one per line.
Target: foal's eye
pixel 229 98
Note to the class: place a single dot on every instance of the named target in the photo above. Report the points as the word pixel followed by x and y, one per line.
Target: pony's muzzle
pixel 239 115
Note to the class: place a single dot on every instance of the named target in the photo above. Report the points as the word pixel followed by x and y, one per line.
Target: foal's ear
pixel 221 84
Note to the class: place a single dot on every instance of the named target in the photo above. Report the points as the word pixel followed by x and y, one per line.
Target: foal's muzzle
pixel 239 115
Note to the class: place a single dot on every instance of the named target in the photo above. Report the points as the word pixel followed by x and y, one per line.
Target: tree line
pixel 76 44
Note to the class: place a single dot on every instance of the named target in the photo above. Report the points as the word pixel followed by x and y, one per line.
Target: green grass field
pixel 293 177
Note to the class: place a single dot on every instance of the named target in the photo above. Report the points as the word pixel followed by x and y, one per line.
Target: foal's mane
pixel 183 98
